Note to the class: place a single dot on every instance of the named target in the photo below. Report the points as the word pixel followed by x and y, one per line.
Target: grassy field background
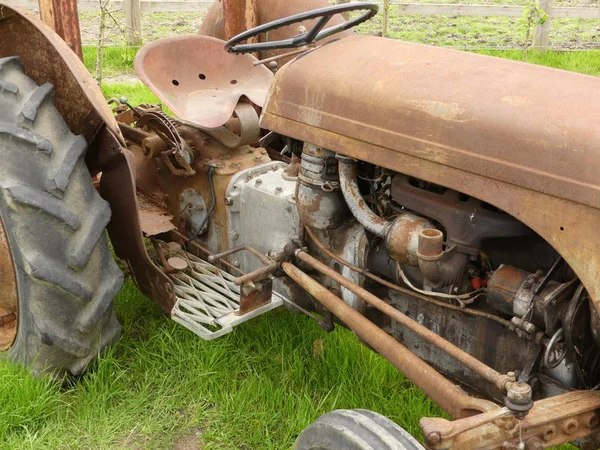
pixel 161 387
pixel 450 31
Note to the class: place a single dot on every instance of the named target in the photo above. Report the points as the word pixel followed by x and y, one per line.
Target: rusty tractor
pixel 442 205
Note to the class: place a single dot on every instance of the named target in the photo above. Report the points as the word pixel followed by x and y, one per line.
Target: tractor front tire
pixel 356 429
pixel 59 314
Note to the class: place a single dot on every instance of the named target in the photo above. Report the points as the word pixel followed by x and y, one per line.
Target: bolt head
pixel 549 433
pixel 433 438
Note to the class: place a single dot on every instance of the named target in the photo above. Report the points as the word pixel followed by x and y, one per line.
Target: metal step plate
pixel 208 301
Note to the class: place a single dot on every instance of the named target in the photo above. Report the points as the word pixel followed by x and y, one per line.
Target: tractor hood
pixel 408 106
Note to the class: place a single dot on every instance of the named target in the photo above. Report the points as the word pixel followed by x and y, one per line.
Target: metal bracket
pixel 192 210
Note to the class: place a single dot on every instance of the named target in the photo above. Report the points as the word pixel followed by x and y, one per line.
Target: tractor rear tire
pixel 54 222
pixel 356 429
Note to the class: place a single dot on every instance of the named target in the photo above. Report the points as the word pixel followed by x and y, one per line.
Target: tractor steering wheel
pixel 316 33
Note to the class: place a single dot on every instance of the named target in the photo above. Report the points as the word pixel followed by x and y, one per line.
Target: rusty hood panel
pixel 529 126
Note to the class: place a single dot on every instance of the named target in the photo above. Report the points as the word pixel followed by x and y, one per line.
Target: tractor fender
pixel 48 59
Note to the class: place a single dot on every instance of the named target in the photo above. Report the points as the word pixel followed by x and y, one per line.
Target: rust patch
pixel 155 222
pixel 154 218
pixel 553 421
pixel 239 17
pixel 48 59
pixel 255 295
pixel 205 95
pixel 9 295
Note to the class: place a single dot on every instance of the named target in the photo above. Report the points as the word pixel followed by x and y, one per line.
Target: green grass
pixel 455 31
pixel 255 388
pixel 161 387
pixel 587 62
pixel 116 61
pixel 483 32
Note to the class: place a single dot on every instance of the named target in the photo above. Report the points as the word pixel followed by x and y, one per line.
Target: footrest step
pixel 208 301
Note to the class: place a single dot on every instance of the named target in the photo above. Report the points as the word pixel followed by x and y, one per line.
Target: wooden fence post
pixel 63 18
pixel 133 17
pixel 239 16
pixel 386 16
pixel 541 39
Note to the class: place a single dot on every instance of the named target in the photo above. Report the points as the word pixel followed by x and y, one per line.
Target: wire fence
pixel 467 24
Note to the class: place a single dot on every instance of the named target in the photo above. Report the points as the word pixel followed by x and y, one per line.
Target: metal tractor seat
pixel 199 81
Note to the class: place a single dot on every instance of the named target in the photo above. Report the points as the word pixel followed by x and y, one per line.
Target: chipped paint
pixel 445 111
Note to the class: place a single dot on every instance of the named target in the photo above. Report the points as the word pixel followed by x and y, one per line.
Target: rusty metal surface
pixel 497 379
pixel 154 222
pixel 319 200
pixel 62 17
pixel 467 221
pixel 454 108
pixel 117 186
pixel 48 59
pixel 255 295
pixel 568 226
pixel 197 249
pixel 239 17
pixel 9 295
pixel 551 422
pixel 154 218
pixel 400 289
pixel 358 207
pixel 403 237
pixel 503 287
pixel 219 256
pixel 267 11
pixel 228 162
pixel 198 80
pixel 257 275
pixel 446 394
pixel 487 341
